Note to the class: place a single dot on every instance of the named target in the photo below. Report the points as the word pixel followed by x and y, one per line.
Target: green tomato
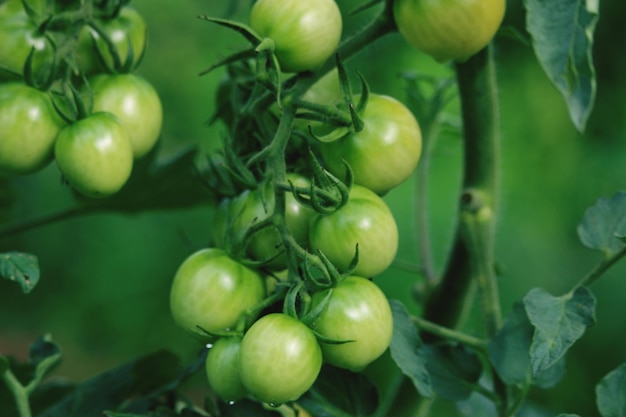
pixel 94 154
pixel 129 27
pixel 29 126
pixel 384 153
pixel 135 102
pixel 253 206
pixel 305 33
pixel 18 36
pixel 449 29
pixel 222 369
pixel 280 359
pixel 357 311
pixel 212 291
pixel 364 220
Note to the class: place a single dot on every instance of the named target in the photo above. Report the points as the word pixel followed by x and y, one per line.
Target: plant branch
pixel 450 334
pixel 600 269
pixel 19 393
pixel 46 220
pixel 472 254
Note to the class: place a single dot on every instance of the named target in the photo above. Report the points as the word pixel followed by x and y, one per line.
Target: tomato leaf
pixel 603 224
pixel 453 370
pixel 611 393
pixel 562 37
pixel 508 349
pixel 110 389
pixel 19 267
pixel 339 392
pixel 558 323
pixel 405 349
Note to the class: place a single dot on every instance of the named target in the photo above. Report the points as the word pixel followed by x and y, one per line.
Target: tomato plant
pixel 359 314
pixel 222 369
pixel 449 30
pixel 30 126
pixel 279 359
pixel 302 279
pixel 365 221
pixel 95 155
pixel 305 34
pixel 211 292
pixel 385 152
pixel 135 102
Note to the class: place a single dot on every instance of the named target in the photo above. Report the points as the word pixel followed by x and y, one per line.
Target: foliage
pixel 273 147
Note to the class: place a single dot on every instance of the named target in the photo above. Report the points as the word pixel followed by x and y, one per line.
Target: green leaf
pixel 562 36
pixel 568 415
pixel 453 370
pixel 611 393
pixel 19 267
pixel 245 408
pixel 509 347
pixel 339 392
pixel 558 322
pixel 110 389
pixel 509 352
pixel 405 349
pixel 603 223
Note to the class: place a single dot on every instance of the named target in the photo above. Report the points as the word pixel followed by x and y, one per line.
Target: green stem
pixel 472 258
pixel 46 220
pixel 600 269
pixel 472 254
pixel 19 393
pixel 450 334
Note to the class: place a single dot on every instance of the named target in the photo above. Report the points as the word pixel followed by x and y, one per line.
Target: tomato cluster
pixel 68 93
pixel 301 178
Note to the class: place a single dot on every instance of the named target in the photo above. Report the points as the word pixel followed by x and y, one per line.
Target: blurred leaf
pixel 405 349
pixel 558 322
pixel 339 392
pixel 7 199
pixel 44 354
pixel 453 370
pixel 611 393
pixel 603 223
pixel 110 389
pixel 562 35
pixel 568 415
pixel 508 349
pixel 551 376
pixel 19 267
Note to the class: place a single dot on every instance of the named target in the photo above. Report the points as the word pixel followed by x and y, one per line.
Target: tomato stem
pixel 20 393
pixel 450 334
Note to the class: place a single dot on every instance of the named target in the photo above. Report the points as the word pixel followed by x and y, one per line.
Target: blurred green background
pixel 105 280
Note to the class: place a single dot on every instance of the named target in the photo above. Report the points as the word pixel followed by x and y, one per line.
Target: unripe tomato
pixel 385 152
pixel 212 290
pixel 128 27
pixel 364 220
pixel 449 29
pixel 222 369
pixel 305 33
pixel 358 311
pixel 29 126
pixel 280 359
pixel 253 206
pixel 135 102
pixel 18 36
pixel 94 155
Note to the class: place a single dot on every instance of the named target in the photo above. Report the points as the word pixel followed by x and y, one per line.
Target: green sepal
pixel 245 30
